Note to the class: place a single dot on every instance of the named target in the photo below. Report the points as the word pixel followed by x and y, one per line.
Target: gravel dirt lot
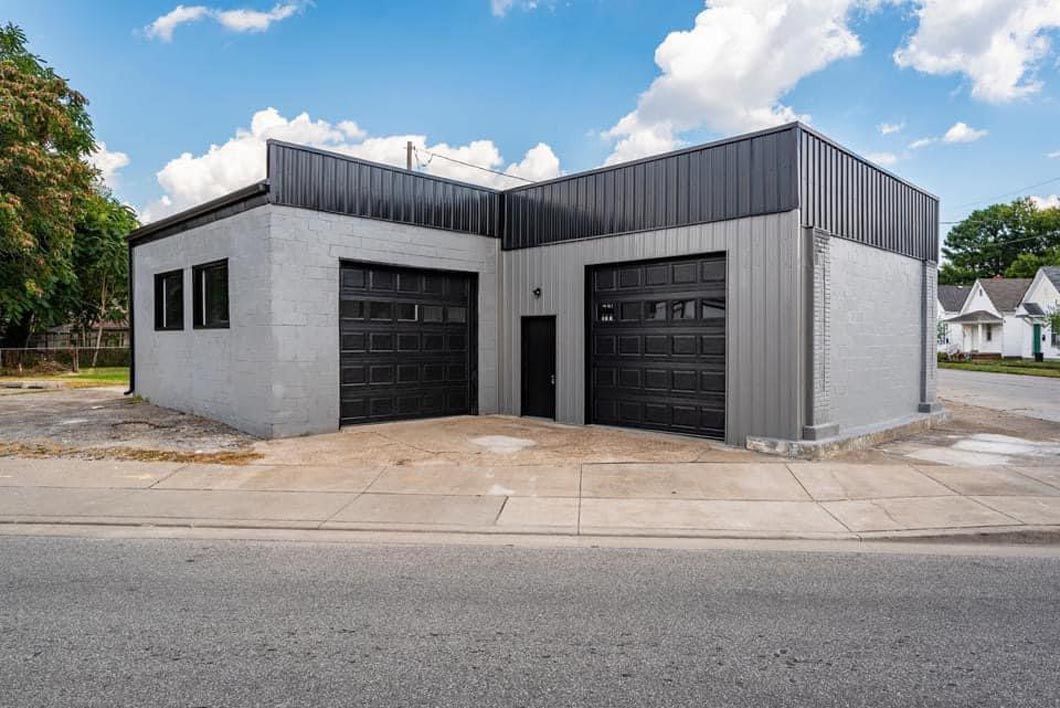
pixel 102 423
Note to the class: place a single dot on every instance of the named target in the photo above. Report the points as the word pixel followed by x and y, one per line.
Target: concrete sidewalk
pixel 694 499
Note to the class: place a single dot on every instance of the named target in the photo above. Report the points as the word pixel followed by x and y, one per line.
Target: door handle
pixel 552 379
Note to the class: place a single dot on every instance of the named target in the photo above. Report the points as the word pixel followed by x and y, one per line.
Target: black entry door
pixel 657 353
pixel 539 367
pixel 407 343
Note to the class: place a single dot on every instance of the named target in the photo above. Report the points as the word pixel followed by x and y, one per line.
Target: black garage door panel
pixel 407 343
pixel 657 352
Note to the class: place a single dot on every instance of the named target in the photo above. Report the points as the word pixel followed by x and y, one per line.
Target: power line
pixel 468 164
pixel 1006 194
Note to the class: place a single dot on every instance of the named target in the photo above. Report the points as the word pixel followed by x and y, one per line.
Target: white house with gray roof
pixel 989 319
pixel 1041 299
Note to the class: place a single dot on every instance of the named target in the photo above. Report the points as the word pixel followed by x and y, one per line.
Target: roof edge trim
pixel 221 202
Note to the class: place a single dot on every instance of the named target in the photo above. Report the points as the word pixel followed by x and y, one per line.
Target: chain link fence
pixel 54 360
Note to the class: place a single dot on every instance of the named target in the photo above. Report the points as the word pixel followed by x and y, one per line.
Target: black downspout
pixel 132 328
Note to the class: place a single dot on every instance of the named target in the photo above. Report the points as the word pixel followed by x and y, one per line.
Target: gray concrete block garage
pixel 770 286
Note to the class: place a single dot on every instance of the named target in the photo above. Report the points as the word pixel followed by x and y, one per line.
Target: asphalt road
pixel 1034 396
pixel 205 623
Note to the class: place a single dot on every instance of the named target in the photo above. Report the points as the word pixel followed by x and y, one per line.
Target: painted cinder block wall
pixel 275 371
pixel 223 374
pixel 306 248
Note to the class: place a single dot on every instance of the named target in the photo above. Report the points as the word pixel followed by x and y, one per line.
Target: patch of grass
pixel 1048 369
pixel 100 376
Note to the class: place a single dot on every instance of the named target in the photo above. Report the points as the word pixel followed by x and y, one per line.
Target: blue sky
pixel 489 81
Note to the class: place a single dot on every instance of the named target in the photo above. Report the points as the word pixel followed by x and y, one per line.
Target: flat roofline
pixel 221 202
pixel 821 136
pixel 794 125
pixel 263 186
pixel 373 163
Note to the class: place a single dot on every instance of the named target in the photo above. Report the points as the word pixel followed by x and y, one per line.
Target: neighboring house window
pixel 169 300
pixel 989 333
pixel 1056 338
pixel 210 297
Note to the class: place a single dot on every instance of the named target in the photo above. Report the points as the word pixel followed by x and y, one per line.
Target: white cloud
pixel 959 132
pixel 997 44
pixel 254 20
pixel 108 163
pixel 962 133
pixel 888 128
pixel 162 28
pixel 238 20
pixel 500 8
pixel 1051 201
pixel 886 159
pixel 191 179
pixel 729 72
pixel 1053 155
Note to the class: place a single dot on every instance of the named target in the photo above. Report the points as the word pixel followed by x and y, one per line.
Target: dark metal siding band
pixel 314 179
pixel 718 182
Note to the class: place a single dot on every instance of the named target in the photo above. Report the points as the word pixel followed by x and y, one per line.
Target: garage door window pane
pixel 380 311
pixel 606 312
pixel 712 308
pixel 432 313
pixel 406 312
pixel 683 309
pixel 655 310
pixel 456 314
pixel 630 311
pixel 351 309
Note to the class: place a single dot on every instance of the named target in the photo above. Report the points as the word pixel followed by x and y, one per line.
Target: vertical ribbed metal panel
pixel 314 179
pixel 846 196
pixel 765 304
pixel 725 180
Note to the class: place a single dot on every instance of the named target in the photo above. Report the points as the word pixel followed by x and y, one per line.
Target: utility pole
pixel 408 156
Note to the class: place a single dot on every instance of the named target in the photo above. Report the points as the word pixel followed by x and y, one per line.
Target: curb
pixel 1042 535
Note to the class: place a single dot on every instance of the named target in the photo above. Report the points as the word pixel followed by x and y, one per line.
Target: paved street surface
pixel 224 623
pixel 1034 396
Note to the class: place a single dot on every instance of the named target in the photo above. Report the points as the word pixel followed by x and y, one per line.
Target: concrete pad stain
pixel 503 444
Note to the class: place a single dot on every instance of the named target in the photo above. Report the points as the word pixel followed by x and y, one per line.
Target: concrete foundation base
pixel 854 439
pixel 823 431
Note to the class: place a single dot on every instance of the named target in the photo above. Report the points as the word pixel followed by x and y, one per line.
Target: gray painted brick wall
pixel 222 374
pixel 876 353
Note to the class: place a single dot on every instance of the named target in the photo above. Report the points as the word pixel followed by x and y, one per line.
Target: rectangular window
pixel 455 314
pixel 683 310
pixel 431 313
pixel 605 312
pixel 406 312
pixel 380 311
pixel 989 333
pixel 1056 337
pixel 169 300
pixel 210 295
pixel 655 310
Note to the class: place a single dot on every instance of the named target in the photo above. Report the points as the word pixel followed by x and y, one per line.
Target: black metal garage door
pixel 407 343
pixel 657 358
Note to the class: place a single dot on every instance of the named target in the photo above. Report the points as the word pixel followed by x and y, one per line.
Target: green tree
pixel 45 181
pixel 101 265
pixel 1026 265
pixel 989 241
